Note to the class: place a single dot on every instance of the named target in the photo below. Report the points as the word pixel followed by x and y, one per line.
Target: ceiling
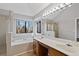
pixel 29 9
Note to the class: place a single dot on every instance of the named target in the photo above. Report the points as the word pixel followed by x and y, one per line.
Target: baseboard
pixel 25 52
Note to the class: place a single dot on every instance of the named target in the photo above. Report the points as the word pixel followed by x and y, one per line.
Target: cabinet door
pixel 39 49
pixel 35 46
pixel 54 52
pixel 42 50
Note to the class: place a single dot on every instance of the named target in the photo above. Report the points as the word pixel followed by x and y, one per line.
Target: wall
pixel 8 25
pixel 3 30
pixel 66 21
pixel 16 49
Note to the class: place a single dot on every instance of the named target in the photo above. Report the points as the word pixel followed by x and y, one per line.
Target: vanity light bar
pixel 59 7
pixel 49 12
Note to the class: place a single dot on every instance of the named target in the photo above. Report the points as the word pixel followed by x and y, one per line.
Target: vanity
pixel 55 47
pixel 42 49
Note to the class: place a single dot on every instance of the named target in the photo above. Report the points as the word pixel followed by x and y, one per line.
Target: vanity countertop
pixel 67 47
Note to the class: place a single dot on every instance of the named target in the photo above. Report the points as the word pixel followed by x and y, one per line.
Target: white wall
pixel 3 30
pixel 25 47
pixel 19 48
pixel 8 24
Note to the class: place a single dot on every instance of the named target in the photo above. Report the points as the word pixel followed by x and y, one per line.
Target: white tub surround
pixel 67 47
pixel 18 39
pixel 18 43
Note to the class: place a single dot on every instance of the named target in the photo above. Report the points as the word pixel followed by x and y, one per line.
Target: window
pixel 39 27
pixel 23 26
pixel 29 26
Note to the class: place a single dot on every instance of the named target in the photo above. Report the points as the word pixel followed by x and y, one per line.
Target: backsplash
pixel 19 38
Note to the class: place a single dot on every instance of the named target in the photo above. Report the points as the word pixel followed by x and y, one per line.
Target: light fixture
pixel 60 6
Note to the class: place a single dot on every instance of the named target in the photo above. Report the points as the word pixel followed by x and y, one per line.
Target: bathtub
pixel 21 39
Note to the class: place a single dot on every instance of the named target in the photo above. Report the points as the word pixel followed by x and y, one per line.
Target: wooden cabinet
pixel 54 52
pixel 38 49
pixel 41 49
pixel 35 47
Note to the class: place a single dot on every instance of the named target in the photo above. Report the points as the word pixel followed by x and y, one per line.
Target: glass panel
pixel 39 27
pixel 29 26
pixel 20 26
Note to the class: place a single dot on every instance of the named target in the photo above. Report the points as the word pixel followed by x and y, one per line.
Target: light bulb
pixel 53 10
pixel 57 8
pixel 61 5
pixel 43 14
pixel 47 12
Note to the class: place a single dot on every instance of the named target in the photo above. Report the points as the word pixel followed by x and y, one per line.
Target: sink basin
pixel 68 48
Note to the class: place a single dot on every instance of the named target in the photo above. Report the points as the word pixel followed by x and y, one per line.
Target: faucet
pixel 69 45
